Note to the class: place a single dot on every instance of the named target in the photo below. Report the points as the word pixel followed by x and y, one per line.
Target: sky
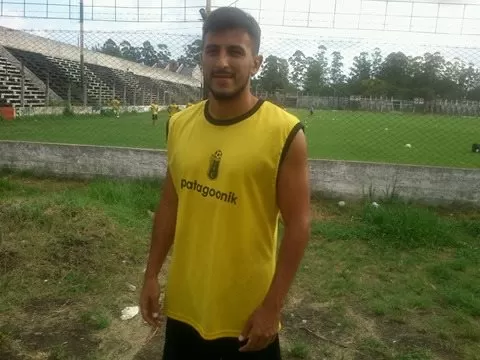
pixel 413 26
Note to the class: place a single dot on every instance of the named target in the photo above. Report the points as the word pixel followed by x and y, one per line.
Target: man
pixel 116 107
pixel 190 103
pixel 234 163
pixel 154 110
pixel 172 109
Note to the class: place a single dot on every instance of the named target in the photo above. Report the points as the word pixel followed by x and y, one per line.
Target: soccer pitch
pixel 438 140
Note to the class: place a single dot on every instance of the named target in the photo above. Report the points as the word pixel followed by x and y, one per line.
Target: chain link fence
pixel 361 100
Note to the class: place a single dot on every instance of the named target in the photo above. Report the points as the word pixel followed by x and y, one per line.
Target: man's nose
pixel 222 59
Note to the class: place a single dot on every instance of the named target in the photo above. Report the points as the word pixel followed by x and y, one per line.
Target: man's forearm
pixel 293 245
pixel 162 239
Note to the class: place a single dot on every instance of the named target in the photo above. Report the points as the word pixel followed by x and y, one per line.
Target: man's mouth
pixel 222 76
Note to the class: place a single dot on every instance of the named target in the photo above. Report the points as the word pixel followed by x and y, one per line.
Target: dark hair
pixel 226 18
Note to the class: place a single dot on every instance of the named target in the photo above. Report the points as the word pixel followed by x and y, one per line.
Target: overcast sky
pixel 348 25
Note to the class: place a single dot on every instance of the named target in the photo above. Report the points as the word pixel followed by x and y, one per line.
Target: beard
pixel 229 94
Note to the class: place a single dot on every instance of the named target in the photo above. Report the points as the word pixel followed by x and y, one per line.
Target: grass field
pixel 340 135
pixel 398 282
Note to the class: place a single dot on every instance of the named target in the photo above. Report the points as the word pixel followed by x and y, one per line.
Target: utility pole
pixel 208 10
pixel 82 65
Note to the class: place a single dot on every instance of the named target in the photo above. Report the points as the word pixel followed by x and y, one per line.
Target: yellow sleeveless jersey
pixel 224 252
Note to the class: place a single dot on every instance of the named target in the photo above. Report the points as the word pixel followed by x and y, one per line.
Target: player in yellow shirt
pixel 234 163
pixel 154 109
pixel 172 109
pixel 116 106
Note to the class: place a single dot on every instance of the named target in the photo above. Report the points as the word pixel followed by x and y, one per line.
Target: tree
pixel 298 62
pixel 395 71
pixel 110 47
pixel 163 55
pixel 148 54
pixel 337 78
pixel 376 62
pixel 316 75
pixel 274 75
pixel 192 55
pixel 362 67
pixel 129 52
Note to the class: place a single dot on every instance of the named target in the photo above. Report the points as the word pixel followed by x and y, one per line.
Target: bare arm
pixel 162 239
pixel 163 229
pixel 293 197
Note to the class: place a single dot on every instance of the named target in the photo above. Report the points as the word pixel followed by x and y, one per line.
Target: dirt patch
pixel 8 259
pixel 404 337
pixel 47 340
pixel 320 213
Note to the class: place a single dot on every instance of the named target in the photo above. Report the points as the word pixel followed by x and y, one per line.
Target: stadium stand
pixel 11 87
pixel 57 64
pixel 43 68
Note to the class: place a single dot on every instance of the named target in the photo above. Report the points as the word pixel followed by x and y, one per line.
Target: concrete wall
pixel 82 160
pixel 58 110
pixel 337 179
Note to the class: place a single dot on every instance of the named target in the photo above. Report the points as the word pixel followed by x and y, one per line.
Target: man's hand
pixel 261 328
pixel 149 305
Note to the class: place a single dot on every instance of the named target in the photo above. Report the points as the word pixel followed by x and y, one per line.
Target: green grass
pixel 340 135
pixel 406 275
pixel 130 130
pixel 67 251
pixel 396 282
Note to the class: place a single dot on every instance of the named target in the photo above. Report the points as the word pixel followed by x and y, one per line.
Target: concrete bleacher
pixel 11 87
pixel 43 68
pixel 57 64
pixel 98 92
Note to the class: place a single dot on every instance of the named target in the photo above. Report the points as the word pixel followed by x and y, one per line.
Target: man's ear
pixel 257 64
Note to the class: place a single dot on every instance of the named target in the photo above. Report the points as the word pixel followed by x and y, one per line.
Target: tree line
pixel 396 75
pixel 152 55
pixel 429 76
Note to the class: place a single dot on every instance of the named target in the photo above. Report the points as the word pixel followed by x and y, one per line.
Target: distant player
pixel 172 109
pixel 116 106
pixel 154 109
pixel 190 103
pixel 311 110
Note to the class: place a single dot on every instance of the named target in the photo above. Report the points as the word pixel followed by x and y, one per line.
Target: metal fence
pixel 360 99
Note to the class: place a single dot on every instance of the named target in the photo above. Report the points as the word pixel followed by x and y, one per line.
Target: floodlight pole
pixel 208 10
pixel 82 65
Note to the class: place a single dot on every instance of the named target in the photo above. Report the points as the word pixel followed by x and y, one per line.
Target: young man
pixel 234 163
pixel 116 106
pixel 172 109
pixel 154 110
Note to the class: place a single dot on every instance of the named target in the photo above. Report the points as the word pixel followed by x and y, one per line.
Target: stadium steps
pixel 114 81
pixel 11 87
pixel 29 74
pixel 98 92
pixel 43 67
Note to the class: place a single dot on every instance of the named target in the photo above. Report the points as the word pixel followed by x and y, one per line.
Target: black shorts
pixel 154 116
pixel 184 342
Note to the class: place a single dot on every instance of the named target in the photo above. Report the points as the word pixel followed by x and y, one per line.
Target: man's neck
pixel 230 109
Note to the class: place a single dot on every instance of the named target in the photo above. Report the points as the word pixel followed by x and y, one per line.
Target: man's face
pixel 228 63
